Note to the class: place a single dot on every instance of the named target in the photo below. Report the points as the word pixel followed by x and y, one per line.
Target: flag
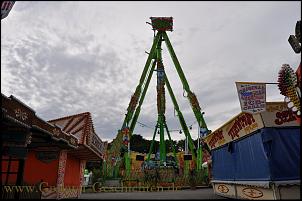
pixel 252 96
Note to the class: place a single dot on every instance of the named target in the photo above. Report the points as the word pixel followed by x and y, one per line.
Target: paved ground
pixel 204 193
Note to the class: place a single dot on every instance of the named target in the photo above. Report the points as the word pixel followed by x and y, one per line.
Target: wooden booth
pixel 30 149
pixel 90 148
pixel 49 157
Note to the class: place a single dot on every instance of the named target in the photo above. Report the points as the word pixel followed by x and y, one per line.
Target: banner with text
pixel 252 96
pixel 241 125
pixel 278 115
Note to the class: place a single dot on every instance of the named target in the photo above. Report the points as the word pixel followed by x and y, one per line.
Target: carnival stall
pixel 72 162
pixel 49 155
pixel 30 148
pixel 257 156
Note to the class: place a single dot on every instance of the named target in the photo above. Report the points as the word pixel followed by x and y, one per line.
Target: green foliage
pixel 142 145
pixel 96 175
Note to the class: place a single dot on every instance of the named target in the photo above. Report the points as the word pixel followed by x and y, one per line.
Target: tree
pixel 180 146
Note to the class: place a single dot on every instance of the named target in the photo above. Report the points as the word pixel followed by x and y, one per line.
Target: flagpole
pixel 257 82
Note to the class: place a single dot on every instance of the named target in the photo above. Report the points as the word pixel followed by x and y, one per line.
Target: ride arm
pixel 117 142
pixel 138 109
pixel 171 143
pixel 191 96
pixel 137 93
pixel 180 117
pixel 152 144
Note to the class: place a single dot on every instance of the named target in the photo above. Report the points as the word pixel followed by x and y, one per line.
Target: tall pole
pixel 161 101
pixel 186 168
pixel 199 152
pixel 128 159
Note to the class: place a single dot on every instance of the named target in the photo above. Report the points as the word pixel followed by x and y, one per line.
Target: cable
pixel 171 130
pixel 144 125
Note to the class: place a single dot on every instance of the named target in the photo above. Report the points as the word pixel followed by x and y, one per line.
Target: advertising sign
pixel 278 115
pixel 252 96
pixel 241 125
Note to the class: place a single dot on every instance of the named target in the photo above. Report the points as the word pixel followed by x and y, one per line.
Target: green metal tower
pixel 120 145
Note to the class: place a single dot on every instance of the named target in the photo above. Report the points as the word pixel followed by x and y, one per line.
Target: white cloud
pixel 63 58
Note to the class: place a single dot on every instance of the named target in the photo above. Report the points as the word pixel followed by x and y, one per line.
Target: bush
pixel 96 175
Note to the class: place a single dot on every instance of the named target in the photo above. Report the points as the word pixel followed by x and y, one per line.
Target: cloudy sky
pixel 63 58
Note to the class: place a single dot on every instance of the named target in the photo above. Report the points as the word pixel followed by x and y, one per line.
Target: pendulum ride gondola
pixel 120 145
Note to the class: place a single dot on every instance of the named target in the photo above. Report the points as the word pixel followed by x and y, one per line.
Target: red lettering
pixel 243 120
pixel 284 116
pixel 278 121
pixel 240 123
pixel 250 119
pixel 218 135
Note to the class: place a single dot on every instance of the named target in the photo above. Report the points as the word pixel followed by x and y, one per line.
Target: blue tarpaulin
pixel 269 154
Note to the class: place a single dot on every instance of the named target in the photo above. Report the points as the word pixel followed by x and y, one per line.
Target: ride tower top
pixel 162 23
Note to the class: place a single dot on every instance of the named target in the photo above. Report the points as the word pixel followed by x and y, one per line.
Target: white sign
pixel 252 96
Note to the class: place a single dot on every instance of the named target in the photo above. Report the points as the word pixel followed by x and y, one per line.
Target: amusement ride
pixel 119 151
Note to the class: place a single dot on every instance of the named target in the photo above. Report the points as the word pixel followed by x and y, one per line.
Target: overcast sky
pixel 64 58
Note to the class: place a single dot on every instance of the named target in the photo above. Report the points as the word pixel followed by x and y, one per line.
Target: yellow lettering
pixel 40 186
pixel 8 189
pixel 93 186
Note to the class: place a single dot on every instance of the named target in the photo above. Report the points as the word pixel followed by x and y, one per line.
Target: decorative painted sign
pixel 223 188
pixel 252 96
pixel 226 190
pixel 252 192
pixel 21 114
pixel 278 115
pixel 241 125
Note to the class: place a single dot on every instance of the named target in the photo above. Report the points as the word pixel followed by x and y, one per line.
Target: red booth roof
pixel 81 126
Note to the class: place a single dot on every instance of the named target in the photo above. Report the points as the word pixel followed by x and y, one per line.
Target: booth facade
pixel 30 149
pixel 72 162
pixel 51 156
pixel 257 156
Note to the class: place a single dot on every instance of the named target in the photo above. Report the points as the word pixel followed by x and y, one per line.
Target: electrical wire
pixel 171 130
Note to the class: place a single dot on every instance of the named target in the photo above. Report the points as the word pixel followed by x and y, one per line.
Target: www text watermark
pixel 43 187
